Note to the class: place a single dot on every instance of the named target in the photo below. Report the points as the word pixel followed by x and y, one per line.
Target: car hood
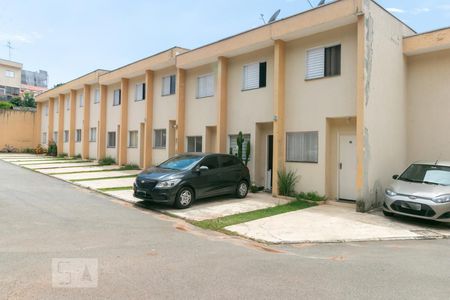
pixel 156 173
pixel 421 190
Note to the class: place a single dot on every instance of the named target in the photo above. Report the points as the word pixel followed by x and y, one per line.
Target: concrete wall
pixel 310 102
pixel 17 129
pixel 385 104
pixel 428 107
pixel 94 121
pixel 112 120
pixel 136 116
pixel 164 108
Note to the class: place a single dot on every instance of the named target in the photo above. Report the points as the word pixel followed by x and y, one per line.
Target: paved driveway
pixel 145 255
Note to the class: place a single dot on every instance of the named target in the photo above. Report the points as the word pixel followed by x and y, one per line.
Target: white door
pixel 347 167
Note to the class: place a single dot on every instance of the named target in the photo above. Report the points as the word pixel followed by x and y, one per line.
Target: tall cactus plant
pixel 240 144
pixel 247 153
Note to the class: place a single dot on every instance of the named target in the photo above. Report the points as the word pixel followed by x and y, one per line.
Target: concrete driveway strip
pixel 56 165
pixel 107 183
pixel 77 169
pixel 144 255
pixel 328 223
pixel 93 175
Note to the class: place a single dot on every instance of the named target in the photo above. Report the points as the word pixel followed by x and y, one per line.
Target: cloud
pixel 395 10
pixel 27 38
pixel 417 11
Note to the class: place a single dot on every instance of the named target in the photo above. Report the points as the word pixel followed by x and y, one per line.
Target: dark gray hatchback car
pixel 184 178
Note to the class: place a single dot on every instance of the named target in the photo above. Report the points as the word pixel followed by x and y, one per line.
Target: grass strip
pixel 121 188
pixel 220 223
pixel 102 178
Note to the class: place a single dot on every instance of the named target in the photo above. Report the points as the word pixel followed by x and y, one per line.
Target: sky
pixel 69 38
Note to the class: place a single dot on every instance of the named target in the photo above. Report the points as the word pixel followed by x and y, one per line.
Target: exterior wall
pixel 200 112
pixel 17 129
pixel 385 104
pixel 94 121
pixel 7 81
pixel 55 116
pixel 112 120
pixel 247 108
pixel 310 102
pixel 428 93
pixel 136 116
pixel 79 121
pixel 44 124
pixel 164 109
pixel 66 122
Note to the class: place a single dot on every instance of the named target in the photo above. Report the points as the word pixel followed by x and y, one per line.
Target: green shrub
pixel 78 156
pixel 312 196
pixel 253 188
pixel 129 167
pixel 286 182
pixel 16 101
pixel 107 161
pixel 52 149
pixel 28 150
pixel 5 105
pixel 62 155
pixel 39 149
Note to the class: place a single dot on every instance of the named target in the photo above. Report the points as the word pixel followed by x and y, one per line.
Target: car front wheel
pixel 185 197
pixel 242 189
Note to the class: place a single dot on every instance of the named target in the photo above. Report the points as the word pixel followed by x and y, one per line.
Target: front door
pixel 347 167
pixel 269 172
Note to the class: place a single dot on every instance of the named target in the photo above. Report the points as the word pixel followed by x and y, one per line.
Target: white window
pixel 78 135
pixel 234 145
pixel 111 139
pixel 66 136
pixel 56 106
pixel 96 96
pixel 205 86
pixel 10 74
pixel 140 92
pixel 93 134
pixel 160 138
pixel 117 97
pixel 133 139
pixel 302 146
pixel 46 110
pixel 2 91
pixel 68 103
pixel 81 100
pixel 254 76
pixel 323 62
pixel 44 138
pixel 194 144
pixel 55 137
pixel 168 85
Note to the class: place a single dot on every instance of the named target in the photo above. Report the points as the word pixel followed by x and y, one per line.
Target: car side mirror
pixel 199 169
pixel 395 177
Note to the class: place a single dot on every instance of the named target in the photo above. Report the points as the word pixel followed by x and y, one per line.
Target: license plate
pixel 413 206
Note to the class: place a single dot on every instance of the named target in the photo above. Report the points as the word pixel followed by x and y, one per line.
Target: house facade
pixel 342 94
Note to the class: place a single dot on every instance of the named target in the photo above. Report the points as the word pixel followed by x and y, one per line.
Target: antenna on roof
pixel 310 4
pixel 10 47
pixel 262 18
pixel 322 2
pixel 274 17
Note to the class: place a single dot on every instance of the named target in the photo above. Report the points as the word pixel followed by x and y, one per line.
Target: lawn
pixel 220 223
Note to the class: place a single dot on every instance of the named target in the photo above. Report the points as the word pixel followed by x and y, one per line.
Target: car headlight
pixel 167 184
pixel 442 199
pixel 390 192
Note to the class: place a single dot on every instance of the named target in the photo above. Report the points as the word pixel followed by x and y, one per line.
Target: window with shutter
pixel 78 135
pixel 96 96
pixel 81 100
pixel 255 76
pixel 93 134
pixel 132 139
pixel 116 99
pixel 323 62
pixel 111 139
pixel 205 86
pixel 140 92
pixel 302 146
pixel 66 136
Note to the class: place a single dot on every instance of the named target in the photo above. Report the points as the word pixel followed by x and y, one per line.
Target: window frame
pixel 114 97
pixel 130 132
pixel 198 96
pixel 302 161
pixel 155 138
pixel 10 72
pixel 81 100
pixel 92 140
pixel 96 95
pixel 108 142
pixel 171 92
pixel 142 87
pixel 195 137
pixel 324 47
pixel 66 136
pixel 260 86
pixel 78 135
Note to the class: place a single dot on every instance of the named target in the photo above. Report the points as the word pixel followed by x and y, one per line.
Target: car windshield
pixel 429 174
pixel 181 162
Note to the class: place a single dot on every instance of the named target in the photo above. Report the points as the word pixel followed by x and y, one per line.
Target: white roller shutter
pixel 315 63
pixel 251 76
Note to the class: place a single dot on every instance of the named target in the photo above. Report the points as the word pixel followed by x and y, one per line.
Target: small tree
pixel 28 100
pixel 16 101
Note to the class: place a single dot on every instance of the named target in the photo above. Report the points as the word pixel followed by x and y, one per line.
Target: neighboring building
pixel 10 76
pixel 345 94
pixel 34 82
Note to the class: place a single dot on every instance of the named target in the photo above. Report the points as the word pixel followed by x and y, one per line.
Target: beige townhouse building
pixel 345 95
pixel 10 79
